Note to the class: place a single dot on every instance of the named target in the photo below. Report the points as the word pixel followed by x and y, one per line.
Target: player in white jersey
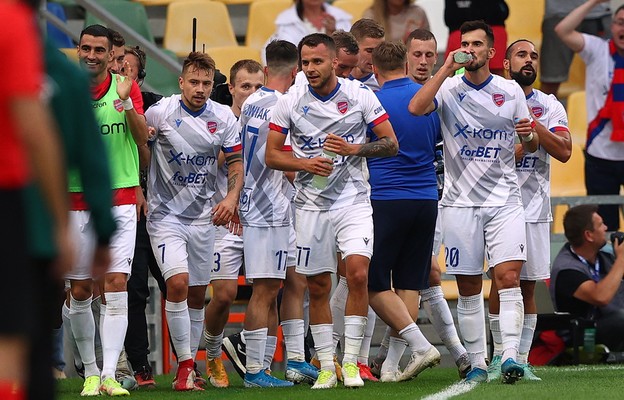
pixel 190 132
pixel 347 51
pixel 246 76
pixel 533 169
pixel 266 217
pixel 479 113
pixel 332 201
pixel 368 34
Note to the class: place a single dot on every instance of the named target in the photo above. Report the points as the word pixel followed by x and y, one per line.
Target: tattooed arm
pixel 386 146
pixel 223 212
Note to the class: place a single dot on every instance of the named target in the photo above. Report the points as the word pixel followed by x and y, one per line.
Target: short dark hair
pixel 508 51
pixel 470 26
pixel 576 221
pixel 421 34
pixel 367 28
pixel 390 56
pixel 281 55
pixel 199 60
pixel 345 40
pixel 249 65
pixel 316 39
pixel 98 30
pixel 118 39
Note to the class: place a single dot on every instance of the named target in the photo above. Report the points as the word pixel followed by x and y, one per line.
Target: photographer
pixel 587 282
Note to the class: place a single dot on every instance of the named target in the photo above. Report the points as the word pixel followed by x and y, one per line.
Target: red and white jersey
pixel 307 117
pixel 183 168
pixel 534 168
pixel 479 133
pixel 599 69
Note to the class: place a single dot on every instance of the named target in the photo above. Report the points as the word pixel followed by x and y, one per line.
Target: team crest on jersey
pixel 498 98
pixel 343 106
pixel 118 105
pixel 538 111
pixel 212 126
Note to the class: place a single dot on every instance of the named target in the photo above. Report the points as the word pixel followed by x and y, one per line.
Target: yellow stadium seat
pixel 354 7
pixel 577 117
pixel 214 28
pixel 576 79
pixel 147 3
pixel 567 180
pixel 227 56
pixel 261 21
pixel 71 53
pixel 525 21
pixel 236 1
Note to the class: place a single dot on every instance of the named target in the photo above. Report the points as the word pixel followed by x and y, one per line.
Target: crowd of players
pixel 300 181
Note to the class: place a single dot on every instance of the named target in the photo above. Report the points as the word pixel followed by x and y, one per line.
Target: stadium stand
pixel 261 21
pixel 130 13
pixel 354 7
pixel 577 117
pixel 227 56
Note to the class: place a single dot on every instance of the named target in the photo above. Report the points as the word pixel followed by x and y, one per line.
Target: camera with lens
pixel 617 235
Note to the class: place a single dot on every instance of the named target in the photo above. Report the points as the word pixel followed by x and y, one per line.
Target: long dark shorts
pixel 403 244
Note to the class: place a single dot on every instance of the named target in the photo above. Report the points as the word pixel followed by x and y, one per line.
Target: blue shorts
pixel 404 231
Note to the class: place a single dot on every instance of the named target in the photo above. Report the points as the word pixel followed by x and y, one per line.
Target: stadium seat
pixel 576 79
pixel 59 38
pixel 567 180
pixel 354 7
pixel 236 1
pixel 577 117
pixel 261 21
pixel 156 2
pixel 130 13
pixel 70 52
pixel 161 78
pixel 525 21
pixel 227 56
pixel 214 28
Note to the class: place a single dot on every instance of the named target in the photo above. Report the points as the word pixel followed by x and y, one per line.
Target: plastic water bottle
pixel 320 182
pixel 439 170
pixel 589 342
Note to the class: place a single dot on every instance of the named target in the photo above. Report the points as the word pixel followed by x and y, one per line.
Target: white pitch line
pixel 454 390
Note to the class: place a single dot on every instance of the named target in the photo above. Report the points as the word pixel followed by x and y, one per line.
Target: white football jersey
pixel 369 80
pixel 347 111
pixel 183 168
pixel 479 133
pixel 263 202
pixel 534 168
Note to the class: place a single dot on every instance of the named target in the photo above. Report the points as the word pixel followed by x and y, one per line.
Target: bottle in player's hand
pixel 318 181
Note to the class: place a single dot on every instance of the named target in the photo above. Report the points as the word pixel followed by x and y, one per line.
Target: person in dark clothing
pixel 586 281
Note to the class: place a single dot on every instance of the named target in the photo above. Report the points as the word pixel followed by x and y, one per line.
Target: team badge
pixel 538 111
pixel 343 106
pixel 118 105
pixel 498 98
pixel 212 126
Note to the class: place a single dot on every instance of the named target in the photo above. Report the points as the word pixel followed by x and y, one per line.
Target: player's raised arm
pixel 422 102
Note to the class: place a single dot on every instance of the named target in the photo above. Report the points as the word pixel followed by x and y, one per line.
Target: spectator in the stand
pixel 492 12
pixel 398 17
pixel 587 282
pixel 309 16
pixel 604 62
pixel 555 57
